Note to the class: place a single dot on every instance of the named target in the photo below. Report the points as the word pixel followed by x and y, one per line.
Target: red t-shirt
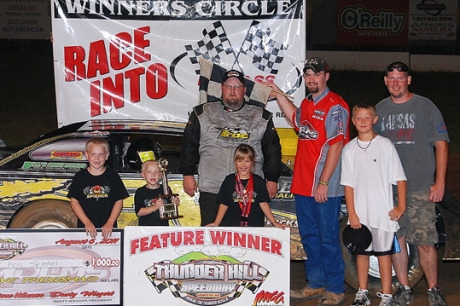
pixel 319 126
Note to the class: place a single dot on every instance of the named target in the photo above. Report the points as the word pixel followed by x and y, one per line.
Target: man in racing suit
pixel 213 132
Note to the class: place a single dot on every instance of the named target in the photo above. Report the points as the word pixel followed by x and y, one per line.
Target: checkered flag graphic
pixel 251 286
pixel 211 77
pixel 263 50
pixel 161 285
pixel 213 46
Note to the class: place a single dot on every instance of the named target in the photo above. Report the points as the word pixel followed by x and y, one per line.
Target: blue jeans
pixel 319 230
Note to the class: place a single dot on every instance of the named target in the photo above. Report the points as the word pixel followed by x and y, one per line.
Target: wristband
pixel 324 183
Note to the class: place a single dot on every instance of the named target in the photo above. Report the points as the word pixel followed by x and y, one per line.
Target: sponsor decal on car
pixel 66 155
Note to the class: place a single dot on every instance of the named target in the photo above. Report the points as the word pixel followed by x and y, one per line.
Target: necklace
pixel 365 148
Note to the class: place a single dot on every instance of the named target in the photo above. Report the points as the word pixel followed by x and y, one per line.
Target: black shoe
pixel 403 296
pixel 435 297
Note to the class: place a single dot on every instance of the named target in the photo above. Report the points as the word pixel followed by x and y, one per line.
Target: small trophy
pixel 169 210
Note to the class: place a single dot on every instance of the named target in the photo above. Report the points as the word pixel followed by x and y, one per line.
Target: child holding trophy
pixel 149 200
pixel 243 195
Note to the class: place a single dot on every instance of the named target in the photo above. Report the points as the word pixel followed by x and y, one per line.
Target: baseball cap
pixel 400 66
pixel 316 64
pixel 356 240
pixel 234 74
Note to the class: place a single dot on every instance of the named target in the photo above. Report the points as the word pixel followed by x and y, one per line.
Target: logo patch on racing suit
pixel 233 134
pixel 307 132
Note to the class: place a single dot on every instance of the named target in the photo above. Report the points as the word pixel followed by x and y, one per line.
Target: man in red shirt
pixel 321 122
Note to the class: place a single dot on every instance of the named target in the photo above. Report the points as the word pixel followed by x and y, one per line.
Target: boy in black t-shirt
pixel 146 200
pixel 96 193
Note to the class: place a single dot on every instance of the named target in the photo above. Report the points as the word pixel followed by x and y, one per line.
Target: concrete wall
pixel 378 61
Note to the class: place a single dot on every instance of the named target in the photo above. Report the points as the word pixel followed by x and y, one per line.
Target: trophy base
pixel 169 210
pixel 171 218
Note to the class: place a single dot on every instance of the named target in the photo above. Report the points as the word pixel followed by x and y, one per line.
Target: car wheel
pixel 374 283
pixel 44 214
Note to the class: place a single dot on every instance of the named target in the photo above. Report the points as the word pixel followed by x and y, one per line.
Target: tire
pixel 415 272
pixel 44 214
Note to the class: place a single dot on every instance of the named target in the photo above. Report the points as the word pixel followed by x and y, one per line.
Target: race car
pixel 34 183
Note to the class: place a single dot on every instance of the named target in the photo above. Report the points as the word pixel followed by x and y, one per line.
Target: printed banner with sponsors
pixel 25 19
pixel 60 267
pixel 433 20
pixel 372 22
pixel 140 59
pixel 206 266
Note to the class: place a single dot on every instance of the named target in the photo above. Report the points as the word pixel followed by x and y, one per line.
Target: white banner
pixel 139 59
pixel 206 266
pixel 433 20
pixel 59 267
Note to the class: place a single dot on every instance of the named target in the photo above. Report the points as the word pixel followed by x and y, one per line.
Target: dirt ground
pixel 449 271
pixel 448 283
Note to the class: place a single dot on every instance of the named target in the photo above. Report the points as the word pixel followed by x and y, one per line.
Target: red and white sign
pixel 59 267
pixel 206 266
pixel 139 59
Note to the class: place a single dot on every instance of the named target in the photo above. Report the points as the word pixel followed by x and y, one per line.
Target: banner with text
pixel 367 22
pixel 25 19
pixel 206 266
pixel 60 267
pixel 140 59
pixel 433 20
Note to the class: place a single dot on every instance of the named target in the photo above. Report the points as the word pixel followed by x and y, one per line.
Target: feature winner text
pixel 197 237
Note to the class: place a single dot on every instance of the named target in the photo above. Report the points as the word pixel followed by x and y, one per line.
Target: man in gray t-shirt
pixel 417 129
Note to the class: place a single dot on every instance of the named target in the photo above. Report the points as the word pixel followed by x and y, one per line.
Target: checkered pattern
pixel 211 77
pixel 255 285
pixel 213 46
pixel 251 286
pixel 159 285
pixel 263 50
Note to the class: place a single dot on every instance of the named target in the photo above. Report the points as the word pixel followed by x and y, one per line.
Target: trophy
pixel 169 210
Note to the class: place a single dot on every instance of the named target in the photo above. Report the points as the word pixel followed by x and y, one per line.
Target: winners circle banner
pixel 206 266
pixel 140 59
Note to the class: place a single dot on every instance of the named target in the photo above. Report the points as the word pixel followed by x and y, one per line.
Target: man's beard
pixel 397 94
pixel 233 103
pixel 313 88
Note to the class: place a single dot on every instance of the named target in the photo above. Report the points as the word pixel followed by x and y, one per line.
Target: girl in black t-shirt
pixel 243 195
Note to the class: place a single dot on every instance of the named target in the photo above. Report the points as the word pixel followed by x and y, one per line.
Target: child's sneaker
pixel 435 297
pixel 361 298
pixel 403 296
pixel 386 299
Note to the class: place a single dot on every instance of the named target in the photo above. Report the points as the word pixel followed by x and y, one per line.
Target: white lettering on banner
pixel 177 9
pixel 194 286
pixel 210 271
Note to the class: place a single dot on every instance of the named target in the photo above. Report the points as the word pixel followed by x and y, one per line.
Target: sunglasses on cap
pixel 401 68
pixel 315 61
pixel 316 64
